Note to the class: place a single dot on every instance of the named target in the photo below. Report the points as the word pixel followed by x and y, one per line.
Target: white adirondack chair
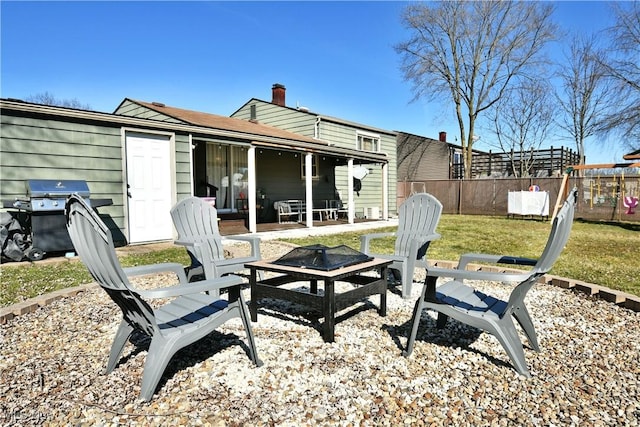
pixel 418 218
pixel 470 306
pixel 197 224
pixel 193 313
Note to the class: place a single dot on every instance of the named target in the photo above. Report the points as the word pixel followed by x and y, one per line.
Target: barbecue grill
pixel 41 214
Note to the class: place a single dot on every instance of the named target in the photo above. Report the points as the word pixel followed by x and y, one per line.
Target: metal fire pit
pixel 320 257
pixel 41 216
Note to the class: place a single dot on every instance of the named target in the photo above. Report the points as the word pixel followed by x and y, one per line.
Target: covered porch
pixel 248 183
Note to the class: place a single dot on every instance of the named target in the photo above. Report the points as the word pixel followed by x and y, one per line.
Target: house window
pixel 458 165
pixel 314 167
pixel 368 142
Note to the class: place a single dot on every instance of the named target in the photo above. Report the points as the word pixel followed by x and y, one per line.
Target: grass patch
pixel 28 280
pixel 601 253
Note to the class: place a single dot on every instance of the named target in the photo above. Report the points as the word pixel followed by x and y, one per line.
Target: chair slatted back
pixel 94 244
pixel 196 220
pixel 560 230
pixel 417 216
pixel 558 237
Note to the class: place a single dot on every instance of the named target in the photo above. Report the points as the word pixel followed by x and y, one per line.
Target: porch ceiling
pixel 331 151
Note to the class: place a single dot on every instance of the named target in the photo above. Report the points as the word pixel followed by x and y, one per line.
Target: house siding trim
pixel 239 113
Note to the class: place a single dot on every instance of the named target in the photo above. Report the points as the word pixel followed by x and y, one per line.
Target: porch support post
pixel 350 200
pixel 251 165
pixel 192 153
pixel 385 191
pixel 308 167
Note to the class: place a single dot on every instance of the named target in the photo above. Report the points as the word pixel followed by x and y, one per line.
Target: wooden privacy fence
pixel 599 198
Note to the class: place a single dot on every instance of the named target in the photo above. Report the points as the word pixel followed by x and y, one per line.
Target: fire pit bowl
pixel 321 257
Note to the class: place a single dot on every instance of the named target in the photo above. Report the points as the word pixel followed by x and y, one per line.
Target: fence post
pixel 490 161
pixel 460 196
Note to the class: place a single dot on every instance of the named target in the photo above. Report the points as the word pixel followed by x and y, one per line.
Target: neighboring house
pixel 421 158
pixel 378 187
pixel 147 156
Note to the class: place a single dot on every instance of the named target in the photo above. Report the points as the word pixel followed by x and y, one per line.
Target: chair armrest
pixel 477 275
pixel 417 243
pixel 365 239
pixel 253 240
pixel 432 236
pixel 141 270
pixel 495 259
pixel 421 240
pixel 192 288
pixel 189 243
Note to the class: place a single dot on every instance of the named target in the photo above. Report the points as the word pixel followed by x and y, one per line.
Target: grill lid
pixel 320 257
pixel 55 189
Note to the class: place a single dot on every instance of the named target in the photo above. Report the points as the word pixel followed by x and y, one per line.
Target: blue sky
pixel 335 58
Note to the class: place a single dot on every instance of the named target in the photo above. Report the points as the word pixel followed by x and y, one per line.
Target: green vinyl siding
pixel 34 146
pixel 50 149
pixel 288 119
pixel 183 166
pixel 337 134
pixel 345 135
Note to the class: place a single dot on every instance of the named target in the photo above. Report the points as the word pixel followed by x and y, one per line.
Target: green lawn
pixel 606 254
pixel 28 279
pixel 600 253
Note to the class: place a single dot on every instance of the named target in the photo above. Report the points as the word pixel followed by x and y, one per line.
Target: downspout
pixel 316 128
pixel 350 200
pixel 191 155
pixel 385 191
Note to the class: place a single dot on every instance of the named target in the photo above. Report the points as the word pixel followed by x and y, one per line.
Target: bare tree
pixel 470 52
pixel 623 66
pixel 521 121
pixel 47 98
pixel 585 95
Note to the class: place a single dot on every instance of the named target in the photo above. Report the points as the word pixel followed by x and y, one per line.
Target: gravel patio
pixel 587 374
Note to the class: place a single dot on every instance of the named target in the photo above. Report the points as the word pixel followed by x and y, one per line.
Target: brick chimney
pixel 443 136
pixel 278 94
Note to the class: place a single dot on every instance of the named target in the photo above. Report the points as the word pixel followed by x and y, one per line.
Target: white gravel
pixel 51 369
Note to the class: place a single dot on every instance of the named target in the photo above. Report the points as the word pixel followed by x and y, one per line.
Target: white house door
pixel 149 187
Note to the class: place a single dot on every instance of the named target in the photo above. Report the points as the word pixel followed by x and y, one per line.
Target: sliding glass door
pixel 227 170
